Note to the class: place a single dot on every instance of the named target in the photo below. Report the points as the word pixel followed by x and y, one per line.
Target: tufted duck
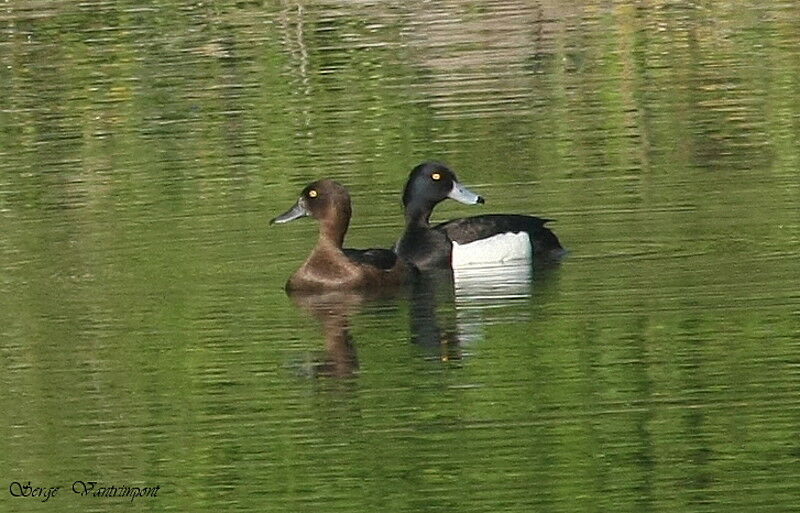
pixel 330 266
pixel 471 240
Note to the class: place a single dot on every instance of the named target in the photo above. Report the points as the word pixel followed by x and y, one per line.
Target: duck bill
pixel 297 211
pixel 464 195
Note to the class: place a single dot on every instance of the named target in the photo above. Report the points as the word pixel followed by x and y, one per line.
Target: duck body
pixel 330 266
pixel 501 238
pixel 485 239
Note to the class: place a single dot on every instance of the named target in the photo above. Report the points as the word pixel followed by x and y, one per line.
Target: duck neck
pixel 332 229
pixel 418 214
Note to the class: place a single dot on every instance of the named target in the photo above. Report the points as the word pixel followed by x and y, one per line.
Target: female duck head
pixel 326 201
pixel 432 182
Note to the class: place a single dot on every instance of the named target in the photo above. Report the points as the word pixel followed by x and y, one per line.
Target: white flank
pixel 499 248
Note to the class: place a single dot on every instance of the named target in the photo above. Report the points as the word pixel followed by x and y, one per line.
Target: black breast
pixel 425 248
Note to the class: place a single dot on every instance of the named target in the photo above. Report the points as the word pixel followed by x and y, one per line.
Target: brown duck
pixel 330 266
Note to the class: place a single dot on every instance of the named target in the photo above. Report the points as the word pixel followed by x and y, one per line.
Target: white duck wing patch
pixel 503 247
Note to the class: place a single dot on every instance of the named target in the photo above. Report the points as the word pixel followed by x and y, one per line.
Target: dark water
pixel 146 339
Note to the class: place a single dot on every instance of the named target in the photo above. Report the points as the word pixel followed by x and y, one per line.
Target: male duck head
pixel 430 183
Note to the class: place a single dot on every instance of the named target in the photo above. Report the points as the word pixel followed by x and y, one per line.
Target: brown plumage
pixel 330 266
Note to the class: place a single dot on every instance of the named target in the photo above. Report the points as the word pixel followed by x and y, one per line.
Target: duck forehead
pixel 328 183
pixel 437 167
pixel 317 186
pixel 325 185
pixel 424 174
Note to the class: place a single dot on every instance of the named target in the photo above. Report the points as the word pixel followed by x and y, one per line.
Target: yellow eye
pixel 436 176
pixel 312 193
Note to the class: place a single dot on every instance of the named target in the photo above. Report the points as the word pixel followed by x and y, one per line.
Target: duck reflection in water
pixel 432 316
pixel 333 311
pixel 448 312
pixel 451 310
